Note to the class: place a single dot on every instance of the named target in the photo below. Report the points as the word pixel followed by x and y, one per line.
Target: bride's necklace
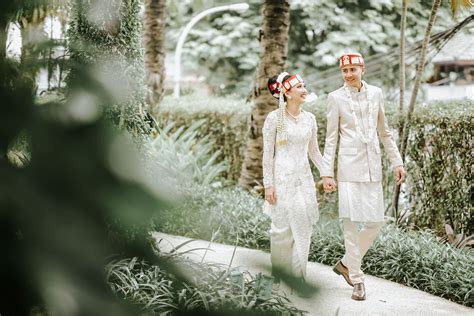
pixel 365 138
pixel 296 118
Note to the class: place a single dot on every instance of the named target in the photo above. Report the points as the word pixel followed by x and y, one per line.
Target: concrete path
pixel 334 295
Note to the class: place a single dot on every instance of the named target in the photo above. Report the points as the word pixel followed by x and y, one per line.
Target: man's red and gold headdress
pixel 351 59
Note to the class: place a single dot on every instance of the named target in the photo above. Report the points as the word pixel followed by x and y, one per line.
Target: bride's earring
pixel 288 97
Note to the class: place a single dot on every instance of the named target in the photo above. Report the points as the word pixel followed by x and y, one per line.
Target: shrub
pixel 417 259
pixel 440 162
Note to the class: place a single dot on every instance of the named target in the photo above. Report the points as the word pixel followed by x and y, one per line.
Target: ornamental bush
pixel 440 161
pixel 439 153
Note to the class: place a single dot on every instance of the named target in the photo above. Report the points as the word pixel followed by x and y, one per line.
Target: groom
pixel 356 116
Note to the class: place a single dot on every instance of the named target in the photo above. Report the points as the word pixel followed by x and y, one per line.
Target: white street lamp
pixel 239 7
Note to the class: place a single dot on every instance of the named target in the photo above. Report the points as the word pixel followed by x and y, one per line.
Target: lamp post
pixel 240 7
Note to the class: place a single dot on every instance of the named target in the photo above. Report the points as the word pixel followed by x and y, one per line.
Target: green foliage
pixel 182 154
pixel 225 45
pixel 440 160
pixel 157 291
pixel 231 214
pixel 225 124
pixel 78 199
pixel 107 35
pixel 416 259
pixel 57 209
pixel 438 185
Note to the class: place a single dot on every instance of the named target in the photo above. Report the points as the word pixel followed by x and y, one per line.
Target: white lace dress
pixel 286 168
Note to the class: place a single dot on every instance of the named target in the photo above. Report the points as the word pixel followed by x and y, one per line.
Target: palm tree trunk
pixel 401 62
pixel 273 55
pixel 402 53
pixel 154 42
pixel 419 72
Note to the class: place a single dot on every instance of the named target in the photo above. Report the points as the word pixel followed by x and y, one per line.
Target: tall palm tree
pixel 419 72
pixel 154 43
pixel 455 7
pixel 273 54
pixel 403 21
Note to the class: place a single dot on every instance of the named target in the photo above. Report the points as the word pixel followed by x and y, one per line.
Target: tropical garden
pixel 97 151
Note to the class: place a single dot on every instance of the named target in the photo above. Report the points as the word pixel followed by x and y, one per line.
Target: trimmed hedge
pixel 416 259
pixel 441 158
pixel 439 153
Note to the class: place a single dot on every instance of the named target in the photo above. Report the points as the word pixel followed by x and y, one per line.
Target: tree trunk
pixel 401 62
pixel 154 43
pixel 273 55
pixel 3 38
pixel 402 53
pixel 419 72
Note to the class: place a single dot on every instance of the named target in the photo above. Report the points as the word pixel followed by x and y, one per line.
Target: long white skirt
pixel 293 217
pixel 361 201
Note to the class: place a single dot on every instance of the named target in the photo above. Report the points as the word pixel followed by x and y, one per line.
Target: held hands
pixel 329 185
pixel 400 174
pixel 270 195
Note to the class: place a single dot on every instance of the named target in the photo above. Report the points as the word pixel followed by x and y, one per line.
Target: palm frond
pixel 457 4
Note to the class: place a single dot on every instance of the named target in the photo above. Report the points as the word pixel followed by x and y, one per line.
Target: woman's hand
pixel 270 195
pixel 329 185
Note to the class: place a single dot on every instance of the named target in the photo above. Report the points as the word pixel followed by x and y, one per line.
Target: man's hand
pixel 270 195
pixel 400 174
pixel 329 185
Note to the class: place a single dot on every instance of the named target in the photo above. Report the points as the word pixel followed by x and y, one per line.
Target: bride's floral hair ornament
pixel 278 86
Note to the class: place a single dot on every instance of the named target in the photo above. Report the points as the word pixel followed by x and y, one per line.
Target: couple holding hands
pixel 355 116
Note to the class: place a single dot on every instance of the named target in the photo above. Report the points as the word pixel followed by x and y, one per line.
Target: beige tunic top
pixel 359 170
pixel 286 168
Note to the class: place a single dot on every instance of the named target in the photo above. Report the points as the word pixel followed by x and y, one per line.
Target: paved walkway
pixel 334 295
